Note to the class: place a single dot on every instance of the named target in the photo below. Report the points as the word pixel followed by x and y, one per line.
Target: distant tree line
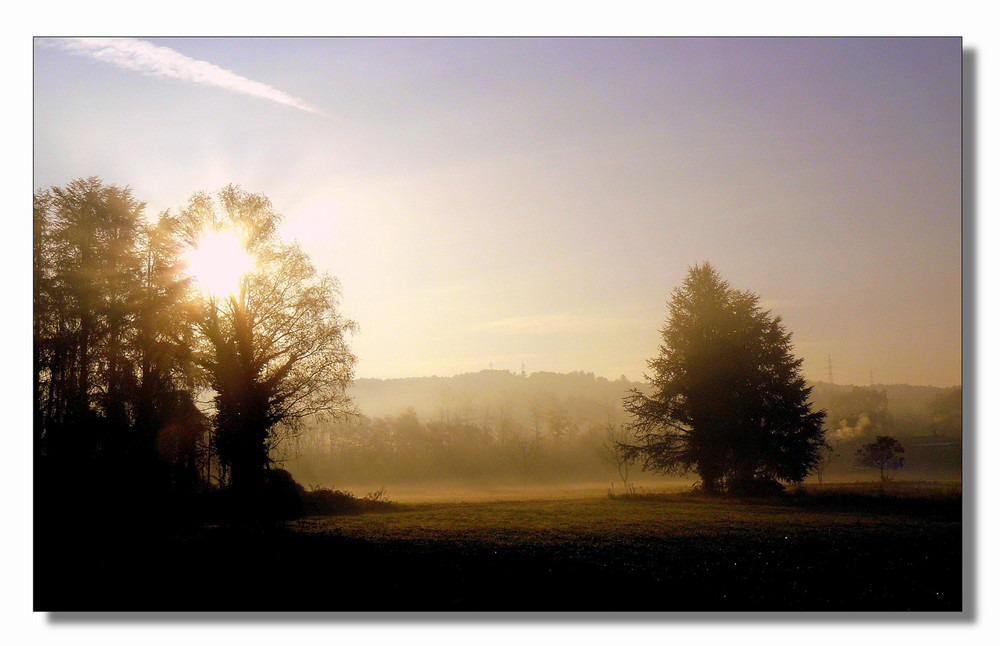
pixel 546 445
pixel 549 427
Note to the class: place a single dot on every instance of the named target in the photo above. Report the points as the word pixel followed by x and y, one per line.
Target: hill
pixel 474 395
pixel 501 427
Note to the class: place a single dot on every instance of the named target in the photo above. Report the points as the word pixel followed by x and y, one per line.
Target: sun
pixel 219 262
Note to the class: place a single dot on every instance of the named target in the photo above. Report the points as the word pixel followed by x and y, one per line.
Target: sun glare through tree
pixel 219 262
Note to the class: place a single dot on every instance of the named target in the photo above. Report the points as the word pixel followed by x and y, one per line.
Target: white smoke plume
pixel 844 432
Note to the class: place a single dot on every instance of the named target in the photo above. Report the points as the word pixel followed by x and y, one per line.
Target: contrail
pixel 163 62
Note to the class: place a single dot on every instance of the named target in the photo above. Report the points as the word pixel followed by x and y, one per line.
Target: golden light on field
pixel 219 262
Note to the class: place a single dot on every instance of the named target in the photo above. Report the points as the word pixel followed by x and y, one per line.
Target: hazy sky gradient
pixel 509 200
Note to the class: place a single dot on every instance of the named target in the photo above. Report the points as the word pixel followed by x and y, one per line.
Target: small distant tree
pixel 525 453
pixel 613 449
pixel 558 420
pixel 827 455
pixel 885 453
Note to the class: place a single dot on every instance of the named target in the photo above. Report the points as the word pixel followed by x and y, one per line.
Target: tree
pixel 612 450
pixel 526 453
pixel 827 455
pixel 558 420
pixel 87 238
pixel 111 366
pixel 167 419
pixel 728 399
pixel 882 454
pixel 275 351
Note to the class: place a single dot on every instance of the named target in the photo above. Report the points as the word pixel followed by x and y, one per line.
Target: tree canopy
pixel 112 378
pixel 274 351
pixel 728 398
pixel 885 453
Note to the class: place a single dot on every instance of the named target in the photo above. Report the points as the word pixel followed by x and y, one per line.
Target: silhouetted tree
pixel 86 272
pixel 525 453
pixel 885 453
pixel 165 405
pixel 505 421
pixel 275 352
pixel 45 318
pixel 558 420
pixel 728 399
pixel 827 455
pixel 110 329
pixel 613 450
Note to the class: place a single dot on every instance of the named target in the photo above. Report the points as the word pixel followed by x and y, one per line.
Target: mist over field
pixel 499 434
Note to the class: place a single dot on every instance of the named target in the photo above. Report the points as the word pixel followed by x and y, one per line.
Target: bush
pixel 327 502
pixel 283 497
pixel 764 487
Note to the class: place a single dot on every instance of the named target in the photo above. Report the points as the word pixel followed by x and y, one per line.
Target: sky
pixel 499 202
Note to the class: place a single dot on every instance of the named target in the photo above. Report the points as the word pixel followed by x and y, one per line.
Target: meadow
pixel 818 548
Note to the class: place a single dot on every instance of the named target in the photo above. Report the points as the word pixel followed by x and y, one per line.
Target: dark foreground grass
pixel 649 553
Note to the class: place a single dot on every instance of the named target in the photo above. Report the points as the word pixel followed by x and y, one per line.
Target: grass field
pixel 819 549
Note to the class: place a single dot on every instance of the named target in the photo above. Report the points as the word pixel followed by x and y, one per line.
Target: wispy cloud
pixel 162 62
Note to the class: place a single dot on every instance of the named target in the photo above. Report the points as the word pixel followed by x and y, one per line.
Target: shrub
pixel 327 502
pixel 283 497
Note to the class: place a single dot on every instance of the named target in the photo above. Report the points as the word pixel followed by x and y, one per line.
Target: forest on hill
pixel 505 427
